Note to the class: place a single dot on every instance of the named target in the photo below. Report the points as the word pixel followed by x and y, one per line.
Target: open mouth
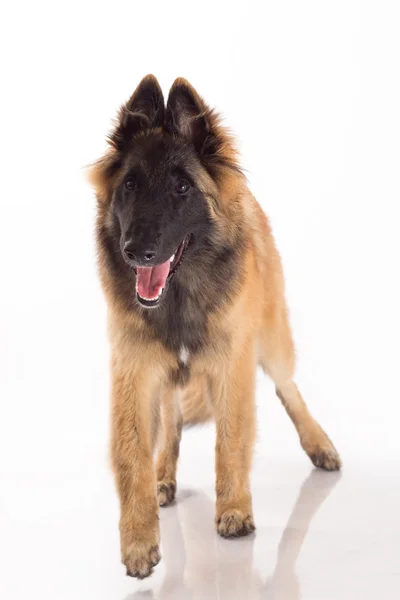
pixel 152 281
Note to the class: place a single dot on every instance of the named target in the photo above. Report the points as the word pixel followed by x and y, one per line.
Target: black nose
pixel 133 253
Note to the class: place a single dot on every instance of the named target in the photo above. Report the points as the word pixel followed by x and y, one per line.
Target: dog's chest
pixel 184 356
pixel 182 327
pixel 180 375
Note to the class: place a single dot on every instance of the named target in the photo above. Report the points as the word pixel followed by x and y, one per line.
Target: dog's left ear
pixel 187 114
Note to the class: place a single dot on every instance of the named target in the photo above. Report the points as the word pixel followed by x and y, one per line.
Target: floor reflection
pixel 199 564
pixel 283 584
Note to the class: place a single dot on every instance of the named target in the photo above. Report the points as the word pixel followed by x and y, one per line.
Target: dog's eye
pixel 182 187
pixel 129 183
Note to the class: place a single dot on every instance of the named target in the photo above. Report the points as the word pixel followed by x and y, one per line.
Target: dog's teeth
pixel 172 258
pixel 151 299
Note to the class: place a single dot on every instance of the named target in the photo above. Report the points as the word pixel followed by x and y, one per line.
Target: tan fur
pixel 250 329
pixel 196 404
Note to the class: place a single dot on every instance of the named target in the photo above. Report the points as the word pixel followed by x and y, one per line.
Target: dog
pixel 195 294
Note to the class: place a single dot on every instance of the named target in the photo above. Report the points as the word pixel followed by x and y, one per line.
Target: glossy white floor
pixel 319 535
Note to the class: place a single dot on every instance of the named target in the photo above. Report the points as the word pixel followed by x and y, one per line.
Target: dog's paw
pixel 140 555
pixel 139 561
pixel 321 450
pixel 166 491
pixel 327 459
pixel 234 523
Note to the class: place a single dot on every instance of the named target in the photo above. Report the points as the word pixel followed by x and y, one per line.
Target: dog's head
pixel 158 186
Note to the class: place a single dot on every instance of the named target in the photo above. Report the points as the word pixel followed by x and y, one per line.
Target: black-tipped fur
pixel 144 110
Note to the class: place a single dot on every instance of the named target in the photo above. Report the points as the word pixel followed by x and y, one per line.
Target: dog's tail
pixel 196 407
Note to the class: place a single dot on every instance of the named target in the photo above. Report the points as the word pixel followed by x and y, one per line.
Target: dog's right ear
pixel 144 110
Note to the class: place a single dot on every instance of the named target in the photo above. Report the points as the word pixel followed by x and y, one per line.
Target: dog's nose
pixel 134 254
pixel 149 255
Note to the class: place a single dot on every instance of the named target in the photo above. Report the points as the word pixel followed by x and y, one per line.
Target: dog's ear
pixel 144 110
pixel 187 114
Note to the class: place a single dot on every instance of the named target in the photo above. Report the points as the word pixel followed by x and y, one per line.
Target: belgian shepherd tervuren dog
pixel 195 293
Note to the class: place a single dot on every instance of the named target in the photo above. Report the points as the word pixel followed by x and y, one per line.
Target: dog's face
pixel 160 211
pixel 159 185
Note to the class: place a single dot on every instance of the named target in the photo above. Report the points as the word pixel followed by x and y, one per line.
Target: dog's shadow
pixel 199 564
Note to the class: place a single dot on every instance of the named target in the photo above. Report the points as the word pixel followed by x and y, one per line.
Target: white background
pixel 312 90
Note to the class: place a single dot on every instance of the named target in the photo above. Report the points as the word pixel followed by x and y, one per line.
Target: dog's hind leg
pixel 277 357
pixel 168 447
pixel 196 403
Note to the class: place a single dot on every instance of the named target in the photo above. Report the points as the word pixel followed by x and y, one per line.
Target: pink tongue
pixel 151 280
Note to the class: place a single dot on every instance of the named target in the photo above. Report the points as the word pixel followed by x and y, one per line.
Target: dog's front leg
pixel 235 419
pixel 134 422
